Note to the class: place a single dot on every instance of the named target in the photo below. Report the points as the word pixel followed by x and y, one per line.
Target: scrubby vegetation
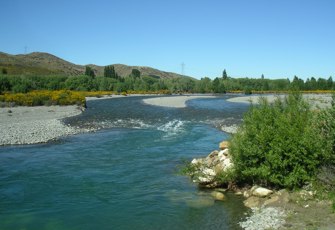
pixel 35 98
pixel 284 144
pixel 111 81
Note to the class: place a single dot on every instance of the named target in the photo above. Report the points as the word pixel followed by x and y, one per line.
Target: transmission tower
pixel 182 68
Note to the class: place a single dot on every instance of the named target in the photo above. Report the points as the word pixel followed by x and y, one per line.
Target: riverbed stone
pixel 271 200
pixel 252 202
pixel 218 195
pixel 261 192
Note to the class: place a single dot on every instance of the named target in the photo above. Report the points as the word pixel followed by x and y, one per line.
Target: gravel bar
pixel 32 125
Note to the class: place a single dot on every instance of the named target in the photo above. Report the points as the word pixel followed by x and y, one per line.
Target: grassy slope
pixel 44 63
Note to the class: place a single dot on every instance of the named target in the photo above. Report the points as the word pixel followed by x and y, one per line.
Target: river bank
pixel 269 209
pixel 31 125
pixel 316 100
pixel 39 124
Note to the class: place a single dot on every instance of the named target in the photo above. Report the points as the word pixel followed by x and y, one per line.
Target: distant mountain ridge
pixel 39 63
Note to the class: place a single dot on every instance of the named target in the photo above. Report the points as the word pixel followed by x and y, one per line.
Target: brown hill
pixel 125 70
pixel 38 63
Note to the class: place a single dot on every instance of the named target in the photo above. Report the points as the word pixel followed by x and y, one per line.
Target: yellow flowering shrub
pixel 45 97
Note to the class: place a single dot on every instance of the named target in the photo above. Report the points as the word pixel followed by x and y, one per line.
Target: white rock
pixel 209 172
pixel 253 188
pixel 227 164
pixel 225 152
pixel 204 179
pixel 261 192
pixel 222 158
pixel 194 161
pixel 247 194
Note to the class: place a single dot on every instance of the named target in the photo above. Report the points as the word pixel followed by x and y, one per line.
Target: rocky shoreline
pixel 269 209
pixel 32 125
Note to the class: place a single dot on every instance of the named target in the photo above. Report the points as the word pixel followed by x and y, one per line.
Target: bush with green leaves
pixel 283 144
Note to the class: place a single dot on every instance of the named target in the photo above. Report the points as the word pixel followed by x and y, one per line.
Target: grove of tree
pixel 111 81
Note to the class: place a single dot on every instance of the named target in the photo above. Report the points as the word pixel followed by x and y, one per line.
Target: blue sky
pixel 277 38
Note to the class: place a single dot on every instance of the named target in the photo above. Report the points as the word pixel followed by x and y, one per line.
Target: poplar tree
pixel 89 71
pixel 109 72
pixel 224 75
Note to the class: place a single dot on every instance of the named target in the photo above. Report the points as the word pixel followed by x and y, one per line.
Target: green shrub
pixel 227 177
pixel 188 168
pixel 326 126
pixel 280 144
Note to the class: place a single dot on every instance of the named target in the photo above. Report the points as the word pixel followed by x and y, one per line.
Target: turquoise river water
pixel 123 176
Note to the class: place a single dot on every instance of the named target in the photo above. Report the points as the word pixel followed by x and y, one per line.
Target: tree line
pixel 111 81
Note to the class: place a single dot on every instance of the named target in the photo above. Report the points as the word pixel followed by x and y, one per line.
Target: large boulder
pixel 224 145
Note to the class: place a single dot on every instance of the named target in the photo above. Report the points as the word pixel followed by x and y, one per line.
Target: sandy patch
pixel 173 101
pixel 116 96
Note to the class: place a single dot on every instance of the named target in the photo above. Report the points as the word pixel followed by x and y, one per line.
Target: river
pixel 123 176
